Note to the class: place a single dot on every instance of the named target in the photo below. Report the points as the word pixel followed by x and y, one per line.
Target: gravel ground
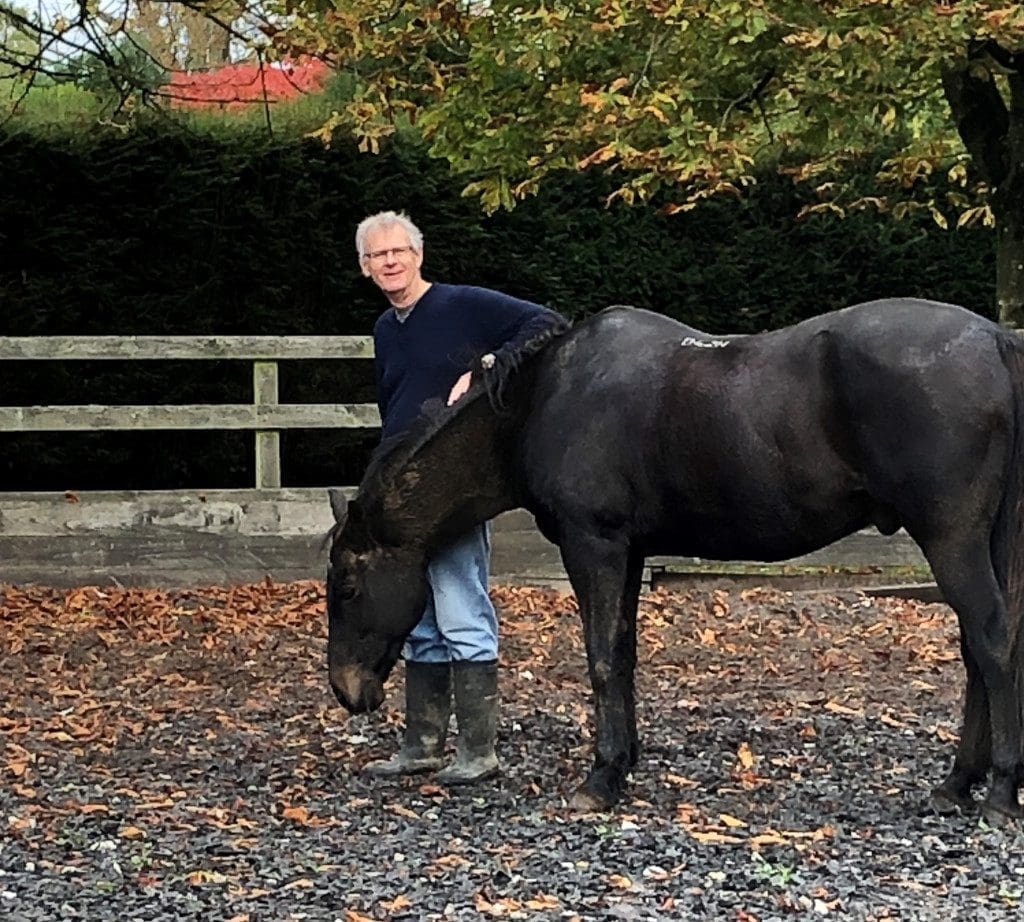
pixel 179 756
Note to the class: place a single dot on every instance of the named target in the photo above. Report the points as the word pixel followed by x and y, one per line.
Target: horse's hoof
pixel 947 802
pixel 584 801
pixel 998 816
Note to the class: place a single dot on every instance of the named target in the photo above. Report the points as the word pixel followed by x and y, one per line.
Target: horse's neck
pixel 457 479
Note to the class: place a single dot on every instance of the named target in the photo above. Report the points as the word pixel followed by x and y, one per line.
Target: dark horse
pixel 631 435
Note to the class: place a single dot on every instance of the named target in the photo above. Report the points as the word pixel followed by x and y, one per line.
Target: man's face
pixel 390 260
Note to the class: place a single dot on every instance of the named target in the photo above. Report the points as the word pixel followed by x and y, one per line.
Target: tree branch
pixel 752 95
pixel 655 41
pixel 1009 61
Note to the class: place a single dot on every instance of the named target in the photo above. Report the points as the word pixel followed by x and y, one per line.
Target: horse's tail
pixel 1007 542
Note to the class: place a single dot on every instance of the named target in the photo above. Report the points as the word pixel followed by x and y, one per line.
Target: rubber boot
pixel 428 708
pixel 476 707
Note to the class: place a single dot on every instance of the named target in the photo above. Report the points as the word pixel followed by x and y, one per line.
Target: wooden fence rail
pixel 265 415
pixel 189 537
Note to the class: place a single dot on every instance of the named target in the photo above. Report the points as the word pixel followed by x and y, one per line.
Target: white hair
pixel 383 220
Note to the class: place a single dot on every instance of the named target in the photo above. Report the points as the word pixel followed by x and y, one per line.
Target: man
pixel 424 344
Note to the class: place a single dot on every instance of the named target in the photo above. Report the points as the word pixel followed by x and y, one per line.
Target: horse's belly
pixel 771 536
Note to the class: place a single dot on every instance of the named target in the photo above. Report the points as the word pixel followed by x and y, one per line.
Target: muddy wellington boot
pixel 476 707
pixel 428 708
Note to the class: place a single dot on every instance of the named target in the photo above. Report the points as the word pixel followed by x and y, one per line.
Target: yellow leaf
pixel 958 174
pixel 198 878
pixel 132 832
pixel 745 756
pixel 620 881
pixel 403 811
pixel 352 916
pixel 297 814
pixel 155 804
pixel 681 781
pixel 714 838
pixel 731 821
pixel 543 901
pixel 451 861
pixel 836 708
pixel 767 839
pixel 601 155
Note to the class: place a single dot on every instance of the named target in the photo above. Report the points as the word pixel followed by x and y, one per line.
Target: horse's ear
pixel 339 506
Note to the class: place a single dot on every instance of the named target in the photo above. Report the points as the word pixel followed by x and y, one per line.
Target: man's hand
pixel 460 388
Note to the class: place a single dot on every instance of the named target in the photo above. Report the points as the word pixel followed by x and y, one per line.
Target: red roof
pixel 237 85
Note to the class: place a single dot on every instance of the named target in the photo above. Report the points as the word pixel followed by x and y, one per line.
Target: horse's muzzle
pixel 355 690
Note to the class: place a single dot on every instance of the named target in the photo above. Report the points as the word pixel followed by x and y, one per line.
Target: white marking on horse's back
pixel 694 343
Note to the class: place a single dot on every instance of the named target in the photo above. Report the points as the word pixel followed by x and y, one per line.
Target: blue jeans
pixel 459 622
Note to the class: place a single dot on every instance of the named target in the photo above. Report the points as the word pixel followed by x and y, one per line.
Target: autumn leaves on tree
pixel 678 100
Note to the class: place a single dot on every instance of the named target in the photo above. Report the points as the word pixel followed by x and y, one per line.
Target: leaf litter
pixel 168 755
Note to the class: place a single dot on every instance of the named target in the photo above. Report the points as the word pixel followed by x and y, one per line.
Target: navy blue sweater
pixel 450 326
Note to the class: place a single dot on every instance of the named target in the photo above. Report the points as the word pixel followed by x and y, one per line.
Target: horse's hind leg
pixel 606 577
pixel 974 754
pixel 968 582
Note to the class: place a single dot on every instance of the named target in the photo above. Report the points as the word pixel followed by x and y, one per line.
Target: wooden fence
pixel 265 415
pixel 194 536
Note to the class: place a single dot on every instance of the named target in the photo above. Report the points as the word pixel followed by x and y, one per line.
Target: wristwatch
pixel 487 361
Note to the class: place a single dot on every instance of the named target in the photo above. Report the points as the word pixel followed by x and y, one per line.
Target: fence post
pixel 268 443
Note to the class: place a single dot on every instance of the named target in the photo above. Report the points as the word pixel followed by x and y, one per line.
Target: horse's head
pixel 375 596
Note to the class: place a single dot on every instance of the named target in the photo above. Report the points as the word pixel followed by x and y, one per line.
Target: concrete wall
pixel 183 538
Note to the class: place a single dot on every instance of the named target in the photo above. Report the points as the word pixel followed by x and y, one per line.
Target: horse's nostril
pixel 357 691
pixel 374 696
pixel 339 695
pixel 347 687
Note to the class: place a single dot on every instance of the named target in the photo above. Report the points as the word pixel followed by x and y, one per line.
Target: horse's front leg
pixel 606 577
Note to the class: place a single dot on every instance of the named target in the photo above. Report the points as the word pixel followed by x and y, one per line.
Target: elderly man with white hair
pixel 425 343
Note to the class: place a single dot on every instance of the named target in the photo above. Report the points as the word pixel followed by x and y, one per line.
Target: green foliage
pixel 19 44
pixel 777 874
pixel 127 70
pixel 693 97
pixel 49 109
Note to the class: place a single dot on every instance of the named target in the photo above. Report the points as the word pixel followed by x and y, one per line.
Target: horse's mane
pixel 393 453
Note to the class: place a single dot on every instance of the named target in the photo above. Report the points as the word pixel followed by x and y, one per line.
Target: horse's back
pixel 769 444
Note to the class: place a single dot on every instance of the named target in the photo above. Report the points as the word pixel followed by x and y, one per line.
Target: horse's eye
pixel 347 592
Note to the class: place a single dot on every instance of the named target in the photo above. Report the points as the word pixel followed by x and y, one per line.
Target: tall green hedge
pixel 163 231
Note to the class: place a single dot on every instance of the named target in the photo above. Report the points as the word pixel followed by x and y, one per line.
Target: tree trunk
pixel 993 133
pixel 1008 208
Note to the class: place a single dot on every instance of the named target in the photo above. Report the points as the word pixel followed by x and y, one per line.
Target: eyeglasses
pixel 377 257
